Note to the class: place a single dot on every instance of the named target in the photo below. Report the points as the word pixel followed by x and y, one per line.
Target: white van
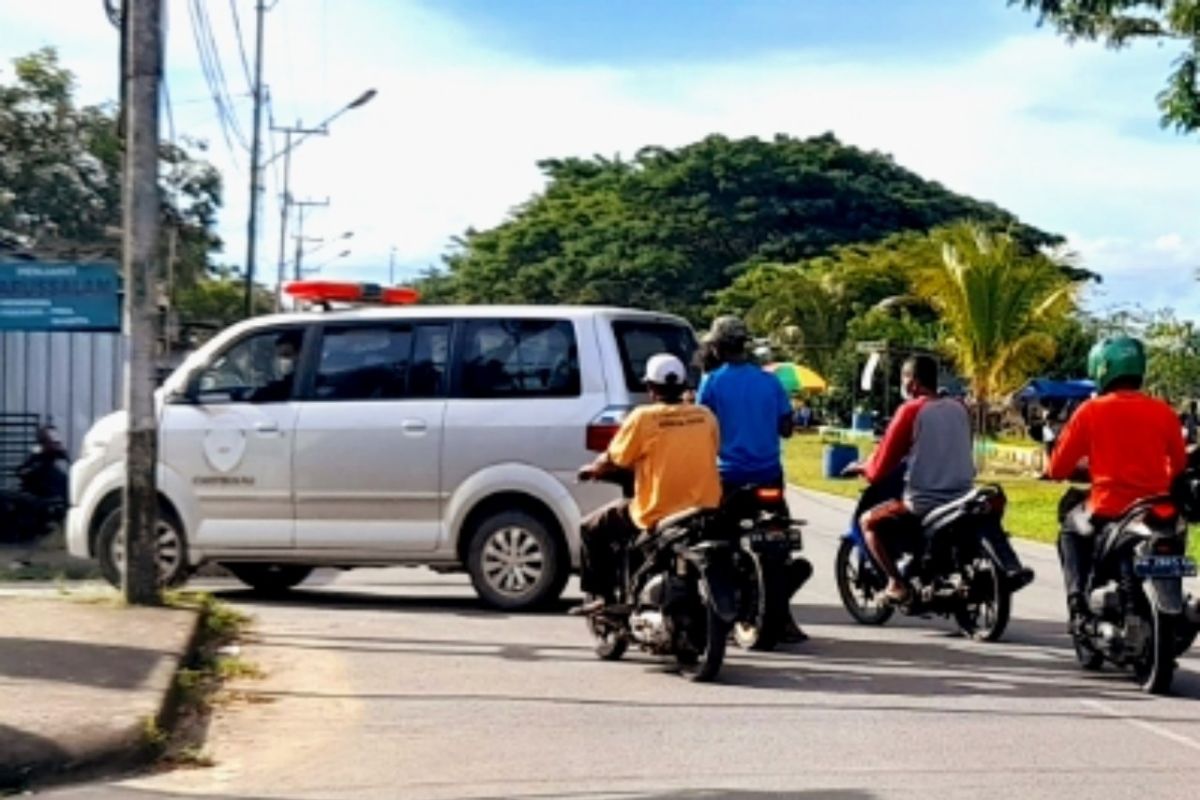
pixel 424 435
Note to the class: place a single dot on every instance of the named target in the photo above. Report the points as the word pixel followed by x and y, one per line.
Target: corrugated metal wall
pixel 75 378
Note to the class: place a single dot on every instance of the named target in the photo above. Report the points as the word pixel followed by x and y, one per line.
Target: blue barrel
pixel 837 457
pixel 862 421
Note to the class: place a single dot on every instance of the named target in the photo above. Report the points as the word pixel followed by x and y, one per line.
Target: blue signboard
pixel 38 296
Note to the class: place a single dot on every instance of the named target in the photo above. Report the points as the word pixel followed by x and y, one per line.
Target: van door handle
pixel 414 426
pixel 266 427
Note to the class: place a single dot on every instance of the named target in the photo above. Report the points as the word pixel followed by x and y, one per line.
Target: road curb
pixel 43 762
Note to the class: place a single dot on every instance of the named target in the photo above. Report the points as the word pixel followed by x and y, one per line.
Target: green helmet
pixel 1116 357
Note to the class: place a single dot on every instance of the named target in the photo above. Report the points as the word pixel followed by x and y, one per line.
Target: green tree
pixel 1118 23
pixel 60 174
pixel 998 307
pixel 218 300
pixel 669 228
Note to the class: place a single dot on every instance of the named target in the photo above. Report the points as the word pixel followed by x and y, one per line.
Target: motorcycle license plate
pixel 1164 567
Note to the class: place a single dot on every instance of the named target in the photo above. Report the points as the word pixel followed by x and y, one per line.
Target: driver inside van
pixel 671 449
pixel 287 350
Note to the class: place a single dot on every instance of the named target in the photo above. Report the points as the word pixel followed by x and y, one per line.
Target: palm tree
pixel 997 304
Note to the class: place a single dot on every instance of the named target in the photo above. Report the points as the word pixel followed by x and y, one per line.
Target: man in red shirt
pixel 1133 447
pixel 930 438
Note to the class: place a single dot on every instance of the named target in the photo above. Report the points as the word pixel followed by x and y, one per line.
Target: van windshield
pixel 638 340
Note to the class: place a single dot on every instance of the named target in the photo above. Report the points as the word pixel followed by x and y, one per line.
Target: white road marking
pixel 1149 727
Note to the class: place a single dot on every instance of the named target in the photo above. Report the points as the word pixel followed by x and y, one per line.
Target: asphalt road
pixel 396 684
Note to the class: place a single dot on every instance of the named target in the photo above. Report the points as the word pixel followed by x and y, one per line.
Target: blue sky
pixel 473 92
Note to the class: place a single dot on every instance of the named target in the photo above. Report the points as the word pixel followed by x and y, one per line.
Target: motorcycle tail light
pixel 1168 546
pixel 769 494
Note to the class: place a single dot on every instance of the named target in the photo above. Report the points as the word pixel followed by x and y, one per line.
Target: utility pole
pixel 260 10
pixel 301 206
pixel 286 201
pixel 140 196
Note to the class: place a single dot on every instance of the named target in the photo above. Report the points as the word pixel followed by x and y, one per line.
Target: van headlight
pixel 94 444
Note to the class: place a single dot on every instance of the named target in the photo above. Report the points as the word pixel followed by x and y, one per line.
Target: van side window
pixel 382 362
pixel 260 368
pixel 638 340
pixel 520 358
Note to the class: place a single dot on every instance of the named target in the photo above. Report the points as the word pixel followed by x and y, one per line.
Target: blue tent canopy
pixel 1045 389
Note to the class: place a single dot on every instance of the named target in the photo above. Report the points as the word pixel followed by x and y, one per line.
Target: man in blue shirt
pixel 753 412
pixel 751 406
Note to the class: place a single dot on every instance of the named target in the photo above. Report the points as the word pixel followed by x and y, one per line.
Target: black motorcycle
pixel 1140 617
pixel 39 505
pixel 676 593
pixel 769 569
pixel 947 560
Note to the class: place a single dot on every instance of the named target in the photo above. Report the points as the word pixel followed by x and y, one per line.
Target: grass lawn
pixel 1032 504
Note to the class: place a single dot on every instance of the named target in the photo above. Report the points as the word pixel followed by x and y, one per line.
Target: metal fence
pixel 71 378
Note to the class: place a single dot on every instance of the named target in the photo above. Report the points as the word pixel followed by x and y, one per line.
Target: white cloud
pixel 1062 136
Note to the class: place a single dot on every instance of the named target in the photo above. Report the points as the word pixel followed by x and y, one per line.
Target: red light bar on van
pixel 345 292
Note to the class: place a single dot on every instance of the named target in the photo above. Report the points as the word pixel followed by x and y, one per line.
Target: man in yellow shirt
pixel 671 448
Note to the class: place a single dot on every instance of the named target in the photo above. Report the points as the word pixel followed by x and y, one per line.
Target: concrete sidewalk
pixel 82 684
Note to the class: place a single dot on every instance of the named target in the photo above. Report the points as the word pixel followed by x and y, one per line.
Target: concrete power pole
pixel 140 200
pixel 260 9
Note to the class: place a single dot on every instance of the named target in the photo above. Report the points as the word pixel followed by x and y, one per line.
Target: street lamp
pixel 286 154
pixel 320 267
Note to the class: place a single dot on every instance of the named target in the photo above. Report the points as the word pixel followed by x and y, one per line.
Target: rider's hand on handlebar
pixel 586 473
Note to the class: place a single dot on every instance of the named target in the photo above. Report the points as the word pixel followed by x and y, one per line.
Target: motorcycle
pixel 769 570
pixel 1140 617
pixel 947 560
pixel 676 593
pixel 39 505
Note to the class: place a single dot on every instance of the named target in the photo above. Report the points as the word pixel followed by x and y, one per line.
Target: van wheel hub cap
pixel 170 551
pixel 513 560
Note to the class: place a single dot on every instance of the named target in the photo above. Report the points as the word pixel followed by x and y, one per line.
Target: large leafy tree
pixel 1120 22
pixel 668 228
pixel 60 175
pixel 999 307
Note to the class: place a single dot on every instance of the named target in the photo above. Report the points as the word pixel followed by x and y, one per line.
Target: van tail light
pixel 602 429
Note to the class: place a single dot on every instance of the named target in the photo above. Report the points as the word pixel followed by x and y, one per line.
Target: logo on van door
pixel 224 448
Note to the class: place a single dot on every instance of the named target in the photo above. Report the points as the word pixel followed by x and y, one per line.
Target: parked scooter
pixel 39 505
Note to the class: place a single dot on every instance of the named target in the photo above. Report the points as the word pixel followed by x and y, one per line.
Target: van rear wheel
pixel 516 563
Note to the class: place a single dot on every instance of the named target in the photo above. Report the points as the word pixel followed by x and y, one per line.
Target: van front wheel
pixel 516 563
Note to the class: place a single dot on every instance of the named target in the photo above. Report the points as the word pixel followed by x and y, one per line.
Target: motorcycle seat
pixel 948 512
pixel 678 519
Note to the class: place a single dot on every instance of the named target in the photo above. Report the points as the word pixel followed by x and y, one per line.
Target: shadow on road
pixel 395 603
pixel 102 666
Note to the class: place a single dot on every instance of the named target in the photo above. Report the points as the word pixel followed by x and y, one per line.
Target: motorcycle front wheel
pixel 611 640
pixel 862 599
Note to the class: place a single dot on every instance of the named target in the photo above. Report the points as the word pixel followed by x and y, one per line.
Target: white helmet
pixel 665 369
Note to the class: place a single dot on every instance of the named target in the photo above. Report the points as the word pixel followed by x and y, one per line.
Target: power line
pixel 237 27
pixel 216 61
pixel 213 76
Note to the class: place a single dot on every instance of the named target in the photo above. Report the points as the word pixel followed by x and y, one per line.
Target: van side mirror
pixel 189 393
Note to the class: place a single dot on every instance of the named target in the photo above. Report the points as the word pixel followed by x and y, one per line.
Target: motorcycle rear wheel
pixel 860 601
pixel 700 661
pixel 771 611
pixel 985 620
pixel 1155 671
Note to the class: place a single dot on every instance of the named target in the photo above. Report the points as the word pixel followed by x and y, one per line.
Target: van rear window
pixel 638 341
